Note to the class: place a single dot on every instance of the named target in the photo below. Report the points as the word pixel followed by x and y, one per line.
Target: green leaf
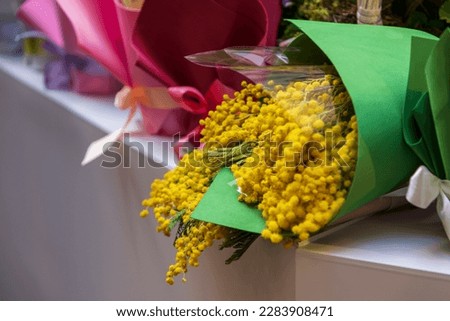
pixel 240 241
pixel 444 11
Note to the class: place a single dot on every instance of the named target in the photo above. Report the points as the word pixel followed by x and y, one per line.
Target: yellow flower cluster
pixel 173 199
pixel 300 173
pixel 224 126
pixel 196 238
pixel 303 148
pixel 180 190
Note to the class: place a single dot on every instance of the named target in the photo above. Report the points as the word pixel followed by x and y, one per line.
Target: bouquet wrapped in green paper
pixel 301 148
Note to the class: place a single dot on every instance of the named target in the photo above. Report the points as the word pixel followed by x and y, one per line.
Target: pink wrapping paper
pixel 167 31
pixel 98 33
pixel 88 83
pixel 162 34
pixel 159 121
pixel 48 17
pixel 44 15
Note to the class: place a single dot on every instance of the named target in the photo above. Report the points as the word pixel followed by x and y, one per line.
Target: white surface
pixel 99 111
pixel 403 255
pixel 412 240
pixel 8 6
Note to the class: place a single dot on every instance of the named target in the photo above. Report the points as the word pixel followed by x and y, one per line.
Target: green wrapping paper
pixel 374 64
pixel 220 205
pixel 427 109
pixel 426 130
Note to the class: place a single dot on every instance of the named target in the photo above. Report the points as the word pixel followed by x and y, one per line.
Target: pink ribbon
pixel 193 101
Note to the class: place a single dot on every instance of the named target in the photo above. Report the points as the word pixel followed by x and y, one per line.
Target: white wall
pixel 8 7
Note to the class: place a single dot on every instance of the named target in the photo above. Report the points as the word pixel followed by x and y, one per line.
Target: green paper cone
pixel 374 64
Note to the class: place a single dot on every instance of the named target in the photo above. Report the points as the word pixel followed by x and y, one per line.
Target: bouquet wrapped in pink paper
pixel 145 48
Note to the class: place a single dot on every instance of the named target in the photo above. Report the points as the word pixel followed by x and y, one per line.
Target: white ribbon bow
pixel 130 98
pixel 424 188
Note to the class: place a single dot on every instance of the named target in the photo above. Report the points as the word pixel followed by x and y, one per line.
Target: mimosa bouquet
pixel 314 137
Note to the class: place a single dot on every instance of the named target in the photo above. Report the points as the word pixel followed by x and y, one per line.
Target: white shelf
pixel 400 255
pixel 413 240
